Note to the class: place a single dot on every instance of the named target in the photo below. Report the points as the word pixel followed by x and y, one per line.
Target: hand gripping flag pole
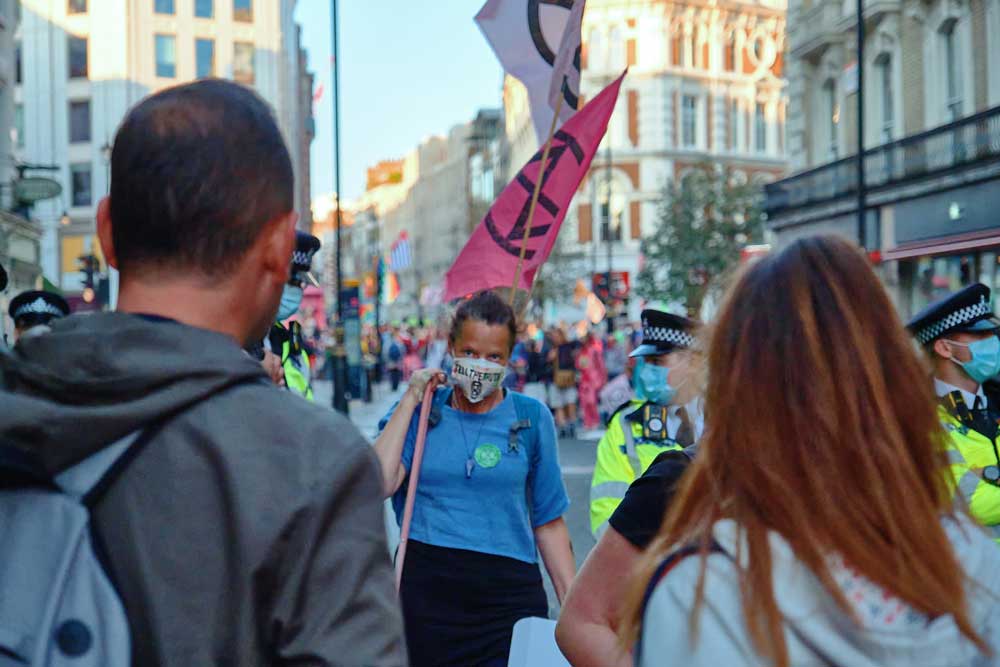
pixel 411 488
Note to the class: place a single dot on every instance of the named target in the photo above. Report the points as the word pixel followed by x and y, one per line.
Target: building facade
pixel 84 63
pixel 931 139
pixel 20 238
pixel 705 84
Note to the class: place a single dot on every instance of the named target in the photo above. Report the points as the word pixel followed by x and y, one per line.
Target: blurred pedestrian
pixel 33 312
pixel 537 374
pixel 563 393
pixel 593 376
pixel 490 499
pixel 665 415
pixel 813 526
pixel 960 336
pixel 394 353
pixel 244 525
pixel 615 355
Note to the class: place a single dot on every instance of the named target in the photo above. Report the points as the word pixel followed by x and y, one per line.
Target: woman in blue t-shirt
pixel 488 501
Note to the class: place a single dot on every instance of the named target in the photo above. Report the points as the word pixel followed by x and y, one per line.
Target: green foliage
pixel 704 220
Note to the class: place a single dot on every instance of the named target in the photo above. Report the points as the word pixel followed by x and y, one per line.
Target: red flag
pixel 490 257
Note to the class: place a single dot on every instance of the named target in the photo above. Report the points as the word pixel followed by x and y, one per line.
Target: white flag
pixel 566 69
pixel 527 36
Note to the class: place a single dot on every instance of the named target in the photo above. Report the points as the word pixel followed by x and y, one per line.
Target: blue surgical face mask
pixel 291 299
pixel 652 383
pixel 985 362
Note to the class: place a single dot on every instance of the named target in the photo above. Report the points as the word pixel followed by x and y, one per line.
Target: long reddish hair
pixel 821 427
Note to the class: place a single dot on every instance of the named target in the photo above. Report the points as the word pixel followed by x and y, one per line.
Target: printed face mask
pixel 985 362
pixel 477 378
pixel 291 299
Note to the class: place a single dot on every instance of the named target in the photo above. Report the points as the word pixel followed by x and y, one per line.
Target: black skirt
pixel 459 606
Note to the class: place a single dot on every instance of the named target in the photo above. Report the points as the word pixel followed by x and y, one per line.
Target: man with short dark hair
pixel 249 529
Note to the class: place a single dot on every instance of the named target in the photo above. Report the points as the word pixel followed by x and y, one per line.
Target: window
pixel 243 63
pixel 884 66
pixel 760 128
pixel 166 56
pixel 204 55
pixel 76 7
pixel 77 48
pixel 689 120
pixel 616 50
pixel 79 121
pixel 952 70
pixel 204 9
pixel 80 184
pixel 17 137
pixel 204 58
pixel 163 6
pixel 243 10
pixel 832 112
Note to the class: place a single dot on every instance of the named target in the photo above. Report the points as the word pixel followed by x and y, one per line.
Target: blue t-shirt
pixel 488 511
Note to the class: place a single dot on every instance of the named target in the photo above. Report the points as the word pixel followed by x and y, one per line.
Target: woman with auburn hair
pixel 817 511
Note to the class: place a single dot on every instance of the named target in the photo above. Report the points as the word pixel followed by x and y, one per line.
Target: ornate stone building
pixel 705 83
pixel 932 138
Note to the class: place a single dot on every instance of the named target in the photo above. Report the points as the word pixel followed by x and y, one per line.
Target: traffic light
pixel 90 266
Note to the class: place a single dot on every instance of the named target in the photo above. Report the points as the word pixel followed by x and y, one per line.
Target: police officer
pixel 32 312
pixel 960 335
pixel 285 338
pixel 665 415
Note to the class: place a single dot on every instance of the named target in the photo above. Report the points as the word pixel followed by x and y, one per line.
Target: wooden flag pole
pixel 534 199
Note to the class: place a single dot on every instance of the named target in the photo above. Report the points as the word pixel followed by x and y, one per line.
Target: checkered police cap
pixel 37 302
pixel 306 245
pixel 664 332
pixel 958 312
pixel 676 337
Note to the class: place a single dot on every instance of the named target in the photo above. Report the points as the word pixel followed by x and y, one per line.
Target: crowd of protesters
pixel 809 486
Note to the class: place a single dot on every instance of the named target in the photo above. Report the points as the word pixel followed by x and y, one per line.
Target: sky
pixel 409 70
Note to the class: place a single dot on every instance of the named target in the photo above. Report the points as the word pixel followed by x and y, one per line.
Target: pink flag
pixel 490 257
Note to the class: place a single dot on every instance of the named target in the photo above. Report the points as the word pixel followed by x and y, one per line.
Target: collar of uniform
pixel 942 389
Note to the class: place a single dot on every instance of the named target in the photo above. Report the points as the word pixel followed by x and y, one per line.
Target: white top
pixel 695 415
pixel 943 389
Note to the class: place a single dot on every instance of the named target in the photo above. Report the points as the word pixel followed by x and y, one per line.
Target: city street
pixel 575 456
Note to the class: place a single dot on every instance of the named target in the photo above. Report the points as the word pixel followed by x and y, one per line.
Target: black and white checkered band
pixel 300 258
pixel 37 307
pixel 954 319
pixel 665 335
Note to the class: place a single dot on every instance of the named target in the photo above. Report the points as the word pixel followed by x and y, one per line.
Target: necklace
pixel 470 461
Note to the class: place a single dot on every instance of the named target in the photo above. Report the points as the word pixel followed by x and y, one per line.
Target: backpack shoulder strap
pixel 441 399
pixel 527 420
pixel 672 560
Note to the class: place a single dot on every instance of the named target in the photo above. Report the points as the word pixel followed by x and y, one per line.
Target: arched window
pixel 831 110
pixel 611 212
pixel 884 79
pixel 951 63
pixel 616 48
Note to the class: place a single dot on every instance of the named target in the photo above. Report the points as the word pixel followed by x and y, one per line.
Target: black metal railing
pixel 964 142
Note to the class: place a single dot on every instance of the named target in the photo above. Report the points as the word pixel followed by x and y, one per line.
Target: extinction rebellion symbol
pixel 547 53
pixel 562 142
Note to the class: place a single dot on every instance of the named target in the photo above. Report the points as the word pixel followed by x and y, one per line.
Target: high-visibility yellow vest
pixel 969 451
pixel 623 454
pixel 295 362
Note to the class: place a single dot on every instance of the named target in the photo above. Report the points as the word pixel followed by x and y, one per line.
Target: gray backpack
pixel 58 606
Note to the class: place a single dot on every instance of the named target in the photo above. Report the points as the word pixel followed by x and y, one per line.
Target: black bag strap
pixel 672 560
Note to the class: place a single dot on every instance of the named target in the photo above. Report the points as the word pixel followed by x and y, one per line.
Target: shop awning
pixel 949 245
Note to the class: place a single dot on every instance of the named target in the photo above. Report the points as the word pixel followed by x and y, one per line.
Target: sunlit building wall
pixel 84 63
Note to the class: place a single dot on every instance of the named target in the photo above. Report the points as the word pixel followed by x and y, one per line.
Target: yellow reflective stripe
pixel 608 490
pixel 967 485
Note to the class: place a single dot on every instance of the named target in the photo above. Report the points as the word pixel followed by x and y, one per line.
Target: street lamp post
pixel 608 239
pixel 339 350
pixel 862 226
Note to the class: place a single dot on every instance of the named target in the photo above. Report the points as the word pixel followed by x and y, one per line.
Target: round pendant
pixel 487 456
